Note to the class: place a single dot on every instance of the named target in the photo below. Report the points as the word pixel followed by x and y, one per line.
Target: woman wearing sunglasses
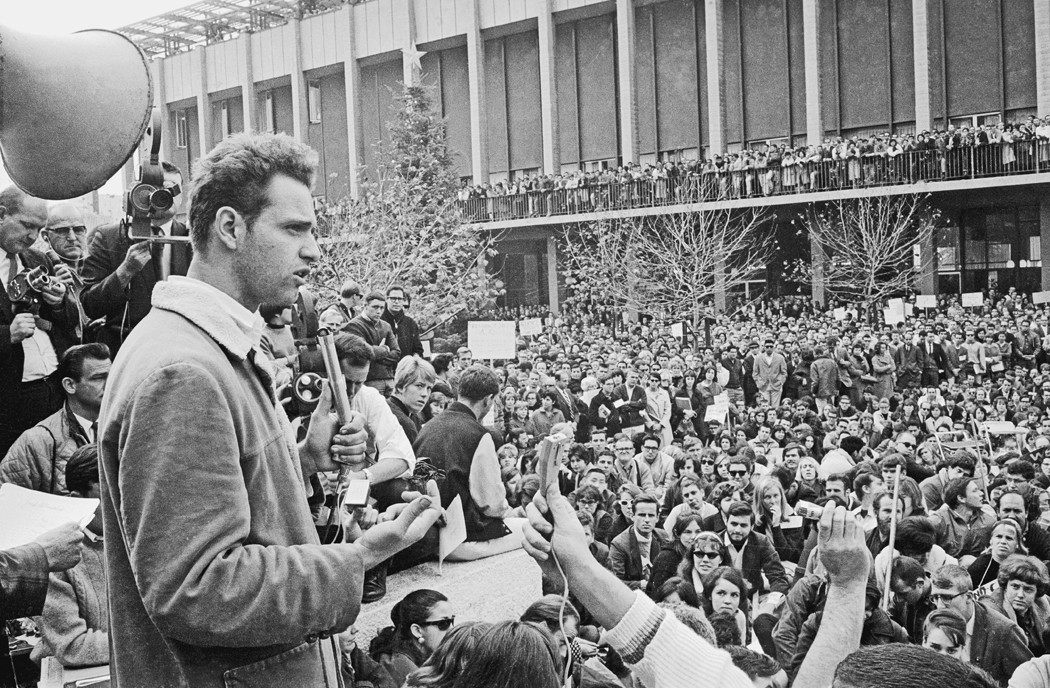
pixel 421 621
pixel 706 554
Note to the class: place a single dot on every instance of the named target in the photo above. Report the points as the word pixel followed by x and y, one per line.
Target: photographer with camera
pixel 35 327
pixel 119 273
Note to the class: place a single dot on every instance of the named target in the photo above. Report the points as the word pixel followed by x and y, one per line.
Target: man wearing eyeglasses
pixel 993 642
pixel 405 328
pixel 119 275
pixel 66 234
pixel 629 470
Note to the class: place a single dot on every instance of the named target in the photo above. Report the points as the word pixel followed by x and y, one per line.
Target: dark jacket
pixel 805 598
pixel 377 334
pixel 998 645
pixel 454 440
pixel 665 565
pixel 610 424
pixel 104 297
pixel 406 331
pixel 409 422
pixel 634 404
pixel 760 557
pixel 879 629
pixel 625 558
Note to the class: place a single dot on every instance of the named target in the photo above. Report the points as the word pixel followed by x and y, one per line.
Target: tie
pixel 164 255
pixel 12 267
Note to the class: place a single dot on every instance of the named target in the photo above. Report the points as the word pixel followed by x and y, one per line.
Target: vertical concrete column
pixel 548 88
pixel 920 22
pixel 246 75
pixel 1042 59
pixel 203 104
pixel 720 287
pixel 552 273
pixel 479 152
pixel 352 86
pixel 411 69
pixel 716 77
pixel 811 45
pixel 628 94
pixel 295 68
pixel 1044 243
pixel 817 262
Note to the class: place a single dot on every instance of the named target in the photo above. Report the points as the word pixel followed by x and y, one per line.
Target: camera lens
pixel 161 199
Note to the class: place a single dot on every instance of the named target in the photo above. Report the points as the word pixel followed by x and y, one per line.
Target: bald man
pixel 31 338
pixel 66 233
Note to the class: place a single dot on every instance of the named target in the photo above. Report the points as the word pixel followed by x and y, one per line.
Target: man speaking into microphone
pixel 215 573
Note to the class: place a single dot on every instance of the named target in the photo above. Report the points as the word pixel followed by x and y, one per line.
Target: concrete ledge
pixel 493 589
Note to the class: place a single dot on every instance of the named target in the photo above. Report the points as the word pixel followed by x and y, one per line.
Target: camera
pixel 26 287
pixel 149 195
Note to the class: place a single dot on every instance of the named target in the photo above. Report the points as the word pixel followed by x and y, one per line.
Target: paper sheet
pixel 28 514
pixel 454 533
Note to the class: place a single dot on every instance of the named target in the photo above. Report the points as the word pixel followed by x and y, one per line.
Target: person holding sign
pixel 631 402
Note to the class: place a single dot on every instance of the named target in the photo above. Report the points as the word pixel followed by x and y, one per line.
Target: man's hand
pixel 568 540
pixel 62 546
pixel 842 549
pixel 22 327
pixel 330 446
pixel 64 275
pixel 400 526
pixel 138 255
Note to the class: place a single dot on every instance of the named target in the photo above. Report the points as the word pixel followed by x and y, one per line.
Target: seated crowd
pixel 773 169
pixel 701 484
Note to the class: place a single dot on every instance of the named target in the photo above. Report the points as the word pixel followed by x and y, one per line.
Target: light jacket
pixel 37 459
pixel 215 573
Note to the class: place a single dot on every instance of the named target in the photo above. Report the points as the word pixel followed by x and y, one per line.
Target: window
pixel 599 165
pixel 678 155
pixel 989 118
pixel 765 144
pixel 1000 238
pixel 313 101
pixel 224 118
pixel 269 113
pixel 524 173
pixel 181 129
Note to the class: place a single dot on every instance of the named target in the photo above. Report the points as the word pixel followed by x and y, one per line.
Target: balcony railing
pixel 976 162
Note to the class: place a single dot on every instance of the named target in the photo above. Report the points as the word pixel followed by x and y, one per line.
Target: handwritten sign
pixel 530 327
pixel 1041 297
pixel 28 514
pixel 492 339
pixel 719 409
pixel 925 301
pixel 974 299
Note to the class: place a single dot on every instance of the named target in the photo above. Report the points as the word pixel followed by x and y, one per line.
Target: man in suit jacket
pixel 632 552
pixel 629 398
pixel 119 275
pixel 934 361
pixel 997 644
pixel 30 342
pixel 770 371
pixel 753 554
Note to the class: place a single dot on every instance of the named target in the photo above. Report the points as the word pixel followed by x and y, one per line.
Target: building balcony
pixel 692 187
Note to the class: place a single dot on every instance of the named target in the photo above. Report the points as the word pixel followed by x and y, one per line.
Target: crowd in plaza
pixel 773 169
pixel 800 495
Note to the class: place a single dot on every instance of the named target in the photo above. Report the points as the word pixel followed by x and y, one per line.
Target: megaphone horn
pixel 72 109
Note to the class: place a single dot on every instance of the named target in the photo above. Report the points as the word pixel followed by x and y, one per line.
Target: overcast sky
pixel 59 17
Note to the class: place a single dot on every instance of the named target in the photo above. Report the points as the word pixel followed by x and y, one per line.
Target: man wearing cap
pixel 770 372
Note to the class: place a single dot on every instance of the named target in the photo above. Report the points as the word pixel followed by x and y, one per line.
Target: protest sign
pixel 530 327
pixel 492 339
pixel 719 409
pixel 973 299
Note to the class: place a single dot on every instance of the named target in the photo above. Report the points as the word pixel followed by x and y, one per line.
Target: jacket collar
pixel 223 319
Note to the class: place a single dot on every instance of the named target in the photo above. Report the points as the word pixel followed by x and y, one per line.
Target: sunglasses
pixel 707 462
pixel 78 230
pixel 441 624
pixel 907 444
pixel 707 555
pixel 737 474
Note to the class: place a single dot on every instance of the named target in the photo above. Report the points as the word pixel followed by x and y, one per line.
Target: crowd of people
pixel 772 169
pixel 800 497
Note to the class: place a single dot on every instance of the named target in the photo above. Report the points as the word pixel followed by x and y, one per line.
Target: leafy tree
pixel 404 228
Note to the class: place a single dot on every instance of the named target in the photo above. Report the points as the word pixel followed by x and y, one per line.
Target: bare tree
pixel 670 265
pixel 865 246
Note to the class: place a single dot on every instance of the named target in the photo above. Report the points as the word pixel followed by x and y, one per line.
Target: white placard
pixel 925 301
pixel 973 299
pixel 530 327
pixel 719 409
pixel 894 311
pixel 28 514
pixel 677 330
pixel 839 314
pixel 427 352
pixel 492 339
pixel 1041 297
